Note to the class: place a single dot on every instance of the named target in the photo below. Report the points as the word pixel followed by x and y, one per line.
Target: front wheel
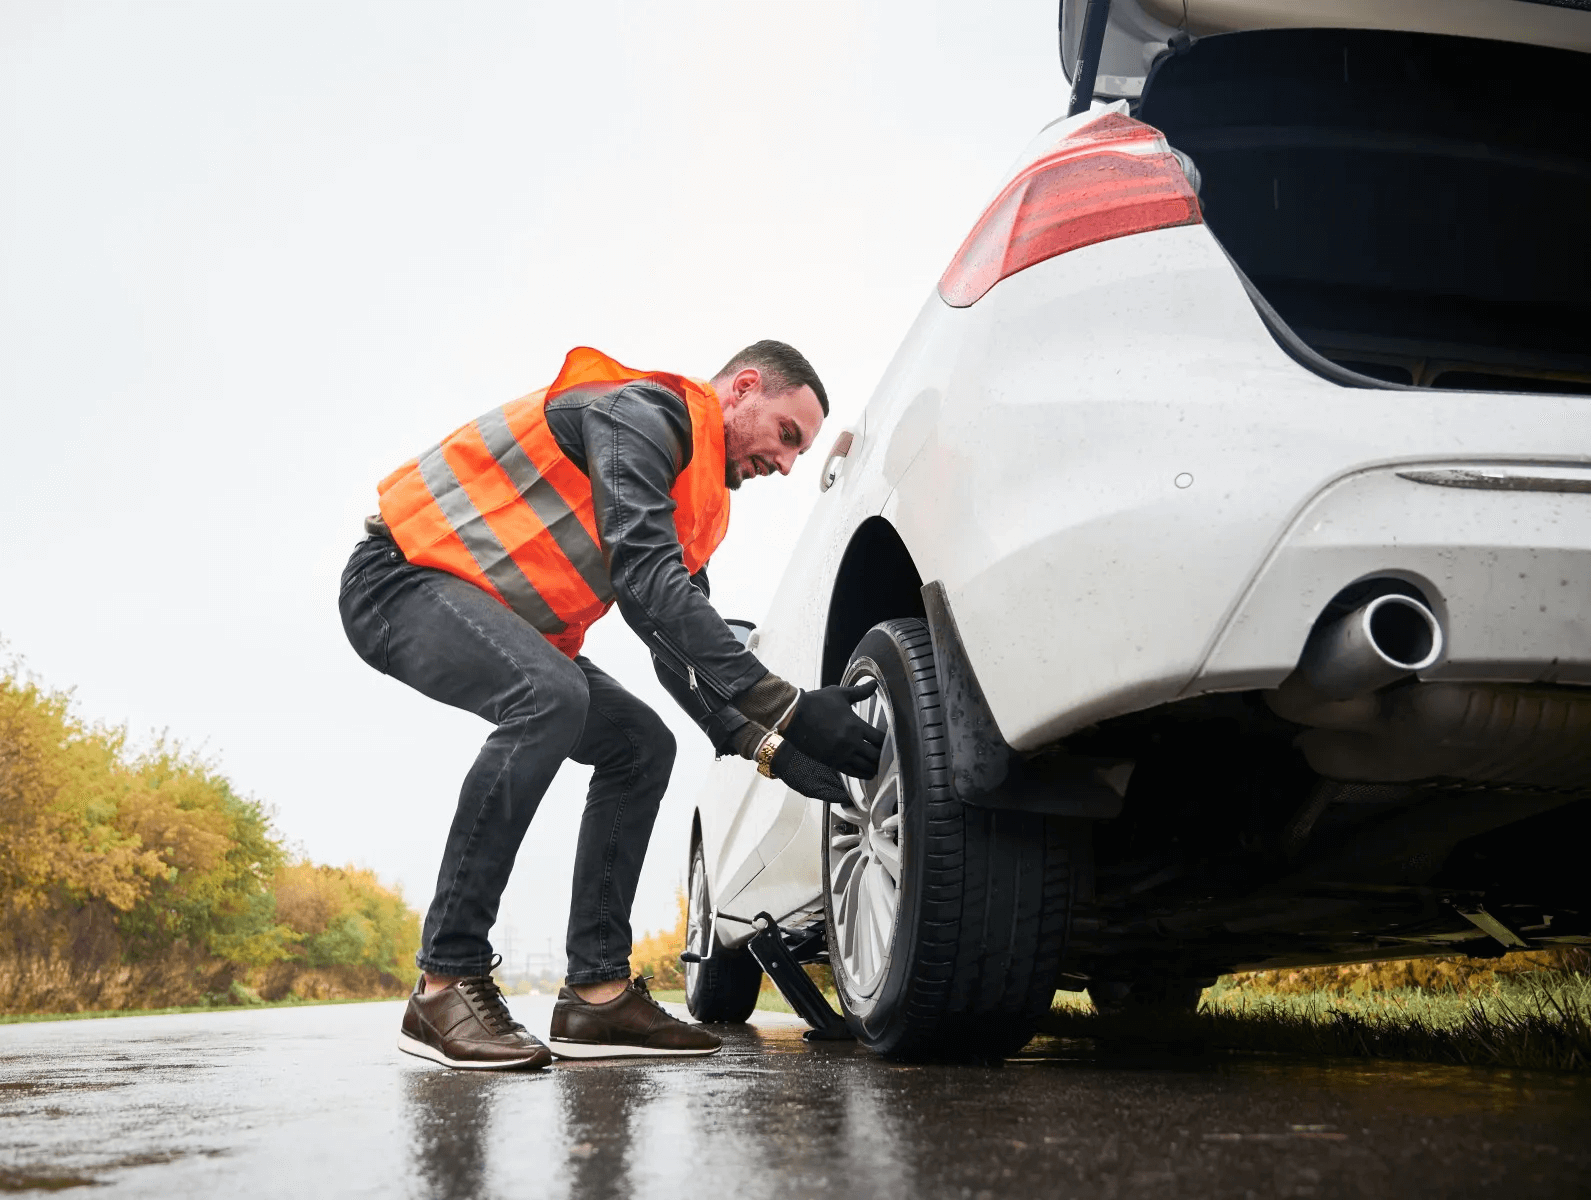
pixel 946 923
pixel 725 986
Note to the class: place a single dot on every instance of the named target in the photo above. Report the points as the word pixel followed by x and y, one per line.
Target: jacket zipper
pixel 679 657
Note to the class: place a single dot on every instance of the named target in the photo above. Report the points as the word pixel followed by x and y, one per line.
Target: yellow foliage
pixel 1457 975
pixel 657 954
pixel 60 783
pixel 344 916
pixel 173 816
pixel 163 841
pixel 306 900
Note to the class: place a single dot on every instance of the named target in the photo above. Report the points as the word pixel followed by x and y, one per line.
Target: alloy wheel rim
pixel 697 928
pixel 865 844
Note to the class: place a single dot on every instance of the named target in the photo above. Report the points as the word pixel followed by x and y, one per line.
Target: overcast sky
pixel 255 255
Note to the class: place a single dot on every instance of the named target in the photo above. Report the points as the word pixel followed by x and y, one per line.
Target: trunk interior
pixel 1415 207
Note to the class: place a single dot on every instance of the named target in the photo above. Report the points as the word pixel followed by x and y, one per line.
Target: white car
pixel 1220 536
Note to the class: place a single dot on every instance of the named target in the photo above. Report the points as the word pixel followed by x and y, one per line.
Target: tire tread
pixel 995 897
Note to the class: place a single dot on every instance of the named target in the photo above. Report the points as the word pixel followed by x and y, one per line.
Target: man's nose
pixel 784 460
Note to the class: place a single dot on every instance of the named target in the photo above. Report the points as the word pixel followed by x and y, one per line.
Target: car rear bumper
pixel 1507 571
pixel 1133 494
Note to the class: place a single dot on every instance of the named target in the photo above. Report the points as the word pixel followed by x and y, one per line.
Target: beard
pixel 733 453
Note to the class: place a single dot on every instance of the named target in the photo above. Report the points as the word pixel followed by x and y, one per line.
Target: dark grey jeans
pixel 453 642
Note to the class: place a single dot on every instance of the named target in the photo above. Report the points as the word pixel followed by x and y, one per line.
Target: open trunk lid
pixel 1140 31
pixel 1407 208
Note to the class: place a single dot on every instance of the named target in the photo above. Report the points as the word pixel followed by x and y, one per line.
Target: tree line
pixel 141 877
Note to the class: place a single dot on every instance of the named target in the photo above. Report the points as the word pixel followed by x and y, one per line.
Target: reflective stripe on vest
pixel 499 504
pixel 489 554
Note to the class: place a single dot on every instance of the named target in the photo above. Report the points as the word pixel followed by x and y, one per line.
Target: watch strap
pixel 765 752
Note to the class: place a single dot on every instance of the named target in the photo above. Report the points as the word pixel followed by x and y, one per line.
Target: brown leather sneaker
pixel 468 1025
pixel 631 1024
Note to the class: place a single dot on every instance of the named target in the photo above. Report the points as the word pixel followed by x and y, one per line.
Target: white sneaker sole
pixel 419 1049
pixel 563 1049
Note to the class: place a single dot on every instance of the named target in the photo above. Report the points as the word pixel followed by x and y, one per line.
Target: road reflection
pixel 449 1116
pixel 779 1118
pixel 772 1117
pixel 600 1104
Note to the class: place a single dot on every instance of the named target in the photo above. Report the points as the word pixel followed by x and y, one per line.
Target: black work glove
pixel 808 776
pixel 824 727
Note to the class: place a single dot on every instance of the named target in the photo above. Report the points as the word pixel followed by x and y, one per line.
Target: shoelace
pixel 639 984
pixel 488 1003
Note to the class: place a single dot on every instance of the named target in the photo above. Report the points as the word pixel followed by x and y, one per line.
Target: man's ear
pixel 744 381
pixel 737 386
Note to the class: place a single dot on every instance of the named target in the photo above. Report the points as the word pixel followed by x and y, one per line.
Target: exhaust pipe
pixel 1380 642
pixel 1384 641
pixel 1529 735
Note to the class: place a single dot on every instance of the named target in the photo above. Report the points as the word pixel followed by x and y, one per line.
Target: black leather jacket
pixel 632 443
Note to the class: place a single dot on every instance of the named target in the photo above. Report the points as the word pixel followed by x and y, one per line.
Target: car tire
pixel 982 901
pixel 724 986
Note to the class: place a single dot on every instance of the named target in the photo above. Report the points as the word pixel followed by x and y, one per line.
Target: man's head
pixel 774 405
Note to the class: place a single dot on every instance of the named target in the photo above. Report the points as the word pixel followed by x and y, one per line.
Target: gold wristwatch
pixel 765 752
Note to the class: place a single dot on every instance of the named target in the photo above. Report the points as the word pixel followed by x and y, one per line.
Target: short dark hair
pixel 783 367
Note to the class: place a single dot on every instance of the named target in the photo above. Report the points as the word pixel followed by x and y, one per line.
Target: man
pixel 493 554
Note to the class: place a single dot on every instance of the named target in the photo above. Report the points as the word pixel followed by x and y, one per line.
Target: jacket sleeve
pixel 724 727
pixel 634 453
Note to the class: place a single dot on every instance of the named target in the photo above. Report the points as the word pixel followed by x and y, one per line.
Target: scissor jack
pixel 778 957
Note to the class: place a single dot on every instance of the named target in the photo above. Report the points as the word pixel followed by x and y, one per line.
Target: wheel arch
pixel 877 581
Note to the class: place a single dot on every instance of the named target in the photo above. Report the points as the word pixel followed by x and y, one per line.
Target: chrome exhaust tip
pixel 1385 640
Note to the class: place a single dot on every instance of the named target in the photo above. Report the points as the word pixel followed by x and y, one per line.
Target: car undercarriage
pixel 1232 853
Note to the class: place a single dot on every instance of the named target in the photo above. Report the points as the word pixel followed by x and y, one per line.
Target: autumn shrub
pixel 61 839
pixel 657 954
pixel 159 859
pixel 220 857
pixel 344 916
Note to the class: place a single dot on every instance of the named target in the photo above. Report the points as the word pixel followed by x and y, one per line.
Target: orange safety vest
pixel 499 504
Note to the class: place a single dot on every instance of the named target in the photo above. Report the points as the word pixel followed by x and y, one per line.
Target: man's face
pixel 763 433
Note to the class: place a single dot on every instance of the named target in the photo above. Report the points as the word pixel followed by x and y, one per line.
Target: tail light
pixel 1112 177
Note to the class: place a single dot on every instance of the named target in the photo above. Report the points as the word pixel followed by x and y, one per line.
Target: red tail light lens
pixel 1112 177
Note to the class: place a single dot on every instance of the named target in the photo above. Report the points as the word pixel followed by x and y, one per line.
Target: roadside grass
pixel 32 1018
pixel 1537 1020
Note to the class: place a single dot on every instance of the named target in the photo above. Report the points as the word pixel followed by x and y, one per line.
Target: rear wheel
pixel 725 986
pixel 946 923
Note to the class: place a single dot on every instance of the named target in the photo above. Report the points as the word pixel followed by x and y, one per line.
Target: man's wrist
pixel 766 749
pixel 783 722
pixel 766 701
pixel 746 739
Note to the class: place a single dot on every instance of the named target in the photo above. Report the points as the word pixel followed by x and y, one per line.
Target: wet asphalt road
pixel 316 1102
